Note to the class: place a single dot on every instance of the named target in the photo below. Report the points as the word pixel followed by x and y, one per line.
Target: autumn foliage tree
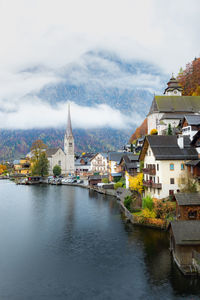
pixel 136 183
pixel 190 78
pixel 3 169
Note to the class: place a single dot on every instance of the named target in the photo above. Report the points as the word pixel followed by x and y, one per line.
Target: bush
pixel 105 180
pixel 146 213
pixel 118 185
pixel 128 202
pixel 147 202
pixel 153 131
pixel 164 210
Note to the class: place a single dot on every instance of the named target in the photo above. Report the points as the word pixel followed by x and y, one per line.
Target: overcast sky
pixel 55 33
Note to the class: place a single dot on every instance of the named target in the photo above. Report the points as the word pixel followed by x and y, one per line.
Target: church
pixel 65 159
pixel 171 107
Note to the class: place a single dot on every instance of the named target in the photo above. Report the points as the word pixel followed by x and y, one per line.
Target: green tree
pixel 37 148
pixel 131 147
pixel 41 165
pixel 56 170
pixel 169 130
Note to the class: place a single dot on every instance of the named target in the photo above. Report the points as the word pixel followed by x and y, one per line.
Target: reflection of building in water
pixel 156 252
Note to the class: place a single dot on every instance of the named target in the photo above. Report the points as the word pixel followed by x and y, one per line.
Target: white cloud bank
pixel 38 114
pixel 53 34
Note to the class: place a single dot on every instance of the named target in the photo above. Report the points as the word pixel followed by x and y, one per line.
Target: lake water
pixel 61 242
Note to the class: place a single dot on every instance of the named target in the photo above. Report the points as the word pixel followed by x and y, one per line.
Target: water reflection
pixel 60 242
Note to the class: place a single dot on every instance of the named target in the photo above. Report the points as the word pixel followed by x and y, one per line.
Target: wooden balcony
pixel 149 171
pixel 157 185
pixel 151 184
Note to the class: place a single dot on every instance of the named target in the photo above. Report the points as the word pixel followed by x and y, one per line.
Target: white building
pixel 99 163
pixel 171 108
pixel 164 164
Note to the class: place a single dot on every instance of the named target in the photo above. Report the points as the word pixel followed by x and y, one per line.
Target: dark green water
pixel 59 242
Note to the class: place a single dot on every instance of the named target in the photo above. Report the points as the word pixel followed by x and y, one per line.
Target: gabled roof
pixel 193 163
pixel 166 148
pixel 187 104
pixel 105 155
pixel 115 156
pixel 52 151
pixel 186 232
pixel 188 199
pixel 171 116
pixel 192 119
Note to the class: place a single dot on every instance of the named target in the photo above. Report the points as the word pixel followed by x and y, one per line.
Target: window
pixel 171 180
pixel 158 179
pixel 157 167
pixel 149 153
pixel 59 163
pixel 158 192
pixel 171 166
pixel 70 144
pixel 171 192
pixel 182 167
pixel 192 214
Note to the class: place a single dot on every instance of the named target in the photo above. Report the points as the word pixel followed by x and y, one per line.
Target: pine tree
pixel 169 130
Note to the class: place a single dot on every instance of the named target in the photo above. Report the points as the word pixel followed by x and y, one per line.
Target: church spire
pixel 69 124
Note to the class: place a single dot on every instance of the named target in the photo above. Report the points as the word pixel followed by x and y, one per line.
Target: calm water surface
pixel 59 242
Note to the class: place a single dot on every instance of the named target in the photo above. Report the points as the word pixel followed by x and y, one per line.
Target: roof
pixel 171 116
pixel 115 156
pixel 188 199
pixel 193 163
pixel 97 177
pixel 116 174
pixel 186 232
pixel 187 104
pixel 51 151
pixel 193 119
pixel 165 147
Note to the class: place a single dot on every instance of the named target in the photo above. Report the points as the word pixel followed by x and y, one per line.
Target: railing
pixel 150 183
pixel 149 171
pixel 156 185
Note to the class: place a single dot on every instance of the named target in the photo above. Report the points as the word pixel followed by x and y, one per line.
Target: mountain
pixel 99 77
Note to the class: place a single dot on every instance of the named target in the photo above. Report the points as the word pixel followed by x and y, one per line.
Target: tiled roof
pixel 51 151
pixel 193 119
pixel 166 147
pixel 186 232
pixel 188 199
pixel 115 156
pixel 175 104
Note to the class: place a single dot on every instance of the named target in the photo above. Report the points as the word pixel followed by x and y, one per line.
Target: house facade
pixel 164 164
pixel 187 206
pixel 56 156
pixel 99 163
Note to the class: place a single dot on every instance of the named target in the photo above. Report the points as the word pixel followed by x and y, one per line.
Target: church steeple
pixel 69 145
pixel 174 88
pixel 69 124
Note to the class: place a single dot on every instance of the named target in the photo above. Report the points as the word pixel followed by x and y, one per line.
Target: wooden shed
pixel 184 240
pixel 187 206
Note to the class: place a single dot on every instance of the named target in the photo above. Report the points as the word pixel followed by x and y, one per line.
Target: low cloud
pixel 33 113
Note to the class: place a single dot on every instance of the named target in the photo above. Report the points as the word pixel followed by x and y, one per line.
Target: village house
pixel 129 166
pixel 171 107
pixel 114 170
pixel 190 125
pixel 99 163
pixel 83 165
pixel 164 163
pixel 185 245
pixel 187 206
pixel 22 166
pixel 95 179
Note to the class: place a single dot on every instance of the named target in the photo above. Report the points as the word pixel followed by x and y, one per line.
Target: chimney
pixel 180 142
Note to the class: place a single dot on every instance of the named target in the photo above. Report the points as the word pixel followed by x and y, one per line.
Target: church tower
pixel 174 88
pixel 69 145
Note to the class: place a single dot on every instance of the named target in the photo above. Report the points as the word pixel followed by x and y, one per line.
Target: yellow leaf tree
pixel 136 183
